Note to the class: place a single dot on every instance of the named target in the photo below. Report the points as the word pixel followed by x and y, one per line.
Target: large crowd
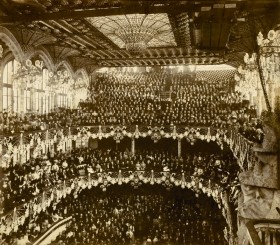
pixel 148 99
pixel 118 216
pixel 33 227
pixel 161 99
pixel 144 216
pixel 123 215
pixel 21 182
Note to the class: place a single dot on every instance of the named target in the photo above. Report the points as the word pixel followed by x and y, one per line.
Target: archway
pixel 7 37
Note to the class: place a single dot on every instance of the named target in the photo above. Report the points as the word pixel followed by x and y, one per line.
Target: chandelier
pixel 60 79
pixel 136 34
pixel 247 77
pixel 248 74
pixel 262 68
pixel 270 56
pixel 26 73
pixel 79 84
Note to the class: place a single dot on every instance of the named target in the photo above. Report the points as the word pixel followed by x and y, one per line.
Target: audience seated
pixel 119 98
pixel 22 182
pixel 146 215
pixel 142 216
pixel 33 227
pixel 148 99
pixel 124 215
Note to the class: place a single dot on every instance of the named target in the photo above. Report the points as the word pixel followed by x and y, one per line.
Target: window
pixel 51 101
pixel 16 102
pixel 27 98
pixel 42 101
pixel 7 98
pixel 10 97
pixel 10 72
pixel 38 101
pixel 46 110
pixel 45 78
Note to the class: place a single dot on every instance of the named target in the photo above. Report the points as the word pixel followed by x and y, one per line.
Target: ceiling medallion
pixel 136 32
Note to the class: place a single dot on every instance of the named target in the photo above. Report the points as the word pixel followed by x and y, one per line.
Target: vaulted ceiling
pixel 195 31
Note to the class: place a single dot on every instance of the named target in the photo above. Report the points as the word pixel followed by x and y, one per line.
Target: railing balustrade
pixel 22 147
pixel 12 220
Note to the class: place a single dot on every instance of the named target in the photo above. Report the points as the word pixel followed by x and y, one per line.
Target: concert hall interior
pixel 140 122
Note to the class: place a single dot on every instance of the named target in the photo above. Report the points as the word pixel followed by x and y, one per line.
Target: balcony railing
pixel 260 232
pixel 19 146
pixel 12 220
pixel 51 234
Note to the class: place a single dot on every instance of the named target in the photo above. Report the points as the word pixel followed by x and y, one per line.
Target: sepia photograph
pixel 140 122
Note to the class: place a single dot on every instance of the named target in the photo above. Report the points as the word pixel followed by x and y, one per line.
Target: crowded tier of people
pixel 118 215
pixel 148 99
pixel 160 99
pixel 22 182
pixel 143 216
pixel 123 215
pixel 33 227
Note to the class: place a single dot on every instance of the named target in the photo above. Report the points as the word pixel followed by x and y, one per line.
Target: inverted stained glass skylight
pixel 159 25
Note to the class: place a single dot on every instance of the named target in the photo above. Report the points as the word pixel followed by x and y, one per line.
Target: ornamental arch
pixel 9 39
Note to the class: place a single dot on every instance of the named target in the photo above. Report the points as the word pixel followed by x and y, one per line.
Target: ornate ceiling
pixel 117 28
pixel 90 33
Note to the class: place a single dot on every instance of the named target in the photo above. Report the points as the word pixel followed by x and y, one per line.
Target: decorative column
pixel 15 155
pixel 27 152
pixel 32 100
pixel 51 149
pixel 267 236
pixel 21 160
pixel 132 146
pixel 69 140
pixel 179 147
pixel 260 233
pixel 21 99
pixel 47 142
pixel 274 241
pixel 73 104
pixel 55 100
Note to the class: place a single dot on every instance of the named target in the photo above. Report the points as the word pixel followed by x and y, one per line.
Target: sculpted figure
pixel 256 202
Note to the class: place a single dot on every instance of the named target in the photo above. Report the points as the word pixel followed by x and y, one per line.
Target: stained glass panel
pixel 110 26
